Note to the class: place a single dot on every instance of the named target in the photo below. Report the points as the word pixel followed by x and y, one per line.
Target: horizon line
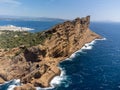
pixel 33 17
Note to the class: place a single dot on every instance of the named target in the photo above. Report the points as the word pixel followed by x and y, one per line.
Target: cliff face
pixel 37 65
pixel 69 37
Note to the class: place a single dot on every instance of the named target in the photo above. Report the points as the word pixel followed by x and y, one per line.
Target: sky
pixel 99 10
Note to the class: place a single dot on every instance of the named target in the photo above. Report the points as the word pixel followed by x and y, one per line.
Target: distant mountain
pixel 25 18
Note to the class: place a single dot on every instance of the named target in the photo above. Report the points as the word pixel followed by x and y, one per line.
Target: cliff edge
pixel 37 65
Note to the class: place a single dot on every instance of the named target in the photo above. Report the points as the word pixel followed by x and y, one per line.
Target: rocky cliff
pixel 36 66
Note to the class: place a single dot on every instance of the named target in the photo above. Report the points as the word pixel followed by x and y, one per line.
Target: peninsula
pixel 37 64
pixel 14 28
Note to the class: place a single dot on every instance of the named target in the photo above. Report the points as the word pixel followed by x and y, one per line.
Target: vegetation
pixel 11 39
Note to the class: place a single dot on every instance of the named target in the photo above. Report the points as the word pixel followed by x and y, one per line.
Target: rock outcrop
pixel 37 65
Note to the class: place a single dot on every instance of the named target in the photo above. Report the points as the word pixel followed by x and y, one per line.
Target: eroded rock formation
pixel 37 65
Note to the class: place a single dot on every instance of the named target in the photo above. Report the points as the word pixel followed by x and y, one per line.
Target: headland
pixel 37 65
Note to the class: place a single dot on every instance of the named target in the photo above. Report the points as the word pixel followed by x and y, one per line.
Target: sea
pixel 95 67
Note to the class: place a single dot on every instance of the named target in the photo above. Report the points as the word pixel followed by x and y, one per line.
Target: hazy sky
pixel 100 10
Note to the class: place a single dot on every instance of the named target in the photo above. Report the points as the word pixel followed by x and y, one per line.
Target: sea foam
pixel 87 46
pixel 11 84
pixel 15 83
pixel 57 80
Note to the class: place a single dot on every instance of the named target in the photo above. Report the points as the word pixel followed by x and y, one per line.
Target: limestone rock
pixel 37 65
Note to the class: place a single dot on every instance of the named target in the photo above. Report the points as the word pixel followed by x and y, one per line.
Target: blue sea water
pixel 36 25
pixel 95 68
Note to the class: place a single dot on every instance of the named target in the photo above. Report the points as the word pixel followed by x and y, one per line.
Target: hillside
pixel 35 65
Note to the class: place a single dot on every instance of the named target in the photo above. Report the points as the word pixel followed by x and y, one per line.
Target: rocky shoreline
pixel 36 66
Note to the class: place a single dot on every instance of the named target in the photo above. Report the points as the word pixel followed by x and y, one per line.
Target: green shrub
pixel 11 39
